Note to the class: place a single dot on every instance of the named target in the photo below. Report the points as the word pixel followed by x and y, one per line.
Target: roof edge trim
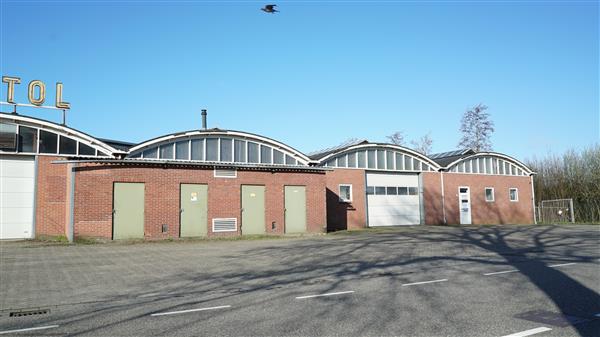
pixel 64 129
pixel 231 133
pixel 414 153
pixel 494 154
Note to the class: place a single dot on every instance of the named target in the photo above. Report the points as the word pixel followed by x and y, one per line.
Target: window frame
pixel 493 194
pixel 341 199
pixel 516 194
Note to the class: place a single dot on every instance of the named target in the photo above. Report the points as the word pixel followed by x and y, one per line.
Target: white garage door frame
pixel 403 179
pixel 32 227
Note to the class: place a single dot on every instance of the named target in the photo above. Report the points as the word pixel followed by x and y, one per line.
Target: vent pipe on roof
pixel 204 119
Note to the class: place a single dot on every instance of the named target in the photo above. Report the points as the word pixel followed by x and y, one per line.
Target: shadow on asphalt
pixel 335 260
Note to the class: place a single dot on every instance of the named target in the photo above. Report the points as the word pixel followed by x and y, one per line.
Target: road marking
pixel 328 294
pixel 562 264
pixel 424 282
pixel 29 329
pixel 501 272
pixel 149 295
pixel 529 332
pixel 190 310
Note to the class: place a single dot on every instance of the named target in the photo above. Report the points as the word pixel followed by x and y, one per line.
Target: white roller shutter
pixel 393 208
pixel 17 184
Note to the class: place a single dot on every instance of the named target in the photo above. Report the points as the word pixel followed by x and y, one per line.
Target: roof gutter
pixel 196 164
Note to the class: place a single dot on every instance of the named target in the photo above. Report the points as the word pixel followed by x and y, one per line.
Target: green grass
pixel 52 239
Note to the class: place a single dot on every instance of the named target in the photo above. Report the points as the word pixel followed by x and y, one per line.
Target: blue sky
pixel 317 73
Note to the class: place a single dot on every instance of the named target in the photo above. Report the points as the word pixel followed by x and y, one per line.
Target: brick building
pixel 213 182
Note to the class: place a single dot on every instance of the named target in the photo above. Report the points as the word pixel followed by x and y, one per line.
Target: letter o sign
pixel 41 87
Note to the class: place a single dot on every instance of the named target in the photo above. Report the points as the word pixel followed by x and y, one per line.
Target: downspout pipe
pixel 533 199
pixel 443 198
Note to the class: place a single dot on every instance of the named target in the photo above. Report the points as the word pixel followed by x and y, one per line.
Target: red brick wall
pixel 94 186
pixel 341 215
pixel 432 198
pixel 51 198
pixel 501 211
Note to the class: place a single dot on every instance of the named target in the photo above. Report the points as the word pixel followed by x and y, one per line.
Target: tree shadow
pixel 394 255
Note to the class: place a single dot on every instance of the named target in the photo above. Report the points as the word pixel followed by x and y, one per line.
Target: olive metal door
pixel 295 209
pixel 194 210
pixel 253 209
pixel 128 211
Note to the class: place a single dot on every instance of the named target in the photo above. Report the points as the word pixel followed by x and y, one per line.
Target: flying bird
pixel 269 9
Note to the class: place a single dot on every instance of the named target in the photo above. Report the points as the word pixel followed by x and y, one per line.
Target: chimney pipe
pixel 204 119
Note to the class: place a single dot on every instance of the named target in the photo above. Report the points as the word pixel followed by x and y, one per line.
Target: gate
pixel 556 211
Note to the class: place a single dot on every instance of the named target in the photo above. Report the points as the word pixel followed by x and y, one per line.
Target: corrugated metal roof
pixel 117 144
pixel 316 155
pixel 445 158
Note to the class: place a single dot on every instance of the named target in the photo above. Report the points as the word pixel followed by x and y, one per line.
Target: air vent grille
pixel 224 225
pixel 225 173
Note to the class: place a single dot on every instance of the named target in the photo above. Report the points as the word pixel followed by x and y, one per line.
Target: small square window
pixel 86 150
pixel 182 150
pixel 370 190
pixel 413 191
pixel 513 193
pixel 48 142
pixel 379 190
pixel 212 149
pixel 341 161
pixel 28 139
pixel 345 193
pixel 402 190
pixel 67 145
pixel 265 155
pixel 166 151
pixel 277 157
pixel 371 156
pixel 362 159
pixel 352 159
pixel 489 194
pixel 392 190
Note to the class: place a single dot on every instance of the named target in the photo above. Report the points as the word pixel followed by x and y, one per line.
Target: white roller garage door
pixel 17 185
pixel 393 199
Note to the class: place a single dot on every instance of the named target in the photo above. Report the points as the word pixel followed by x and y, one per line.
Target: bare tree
pixel 423 144
pixel 396 138
pixel 476 128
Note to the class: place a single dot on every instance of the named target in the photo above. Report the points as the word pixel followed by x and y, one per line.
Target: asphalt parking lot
pixel 411 281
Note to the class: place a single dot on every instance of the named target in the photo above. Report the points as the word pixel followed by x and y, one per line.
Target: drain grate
pixel 21 313
pixel 551 318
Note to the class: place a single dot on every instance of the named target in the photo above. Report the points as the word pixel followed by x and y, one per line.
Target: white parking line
pixel 562 264
pixel 529 332
pixel 327 294
pixel 190 310
pixel 501 272
pixel 424 282
pixel 29 329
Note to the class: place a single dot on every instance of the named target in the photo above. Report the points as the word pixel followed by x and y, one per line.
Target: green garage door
pixel 253 209
pixel 194 207
pixel 128 211
pixel 295 209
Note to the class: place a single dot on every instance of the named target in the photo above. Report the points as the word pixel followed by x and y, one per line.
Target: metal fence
pixel 556 211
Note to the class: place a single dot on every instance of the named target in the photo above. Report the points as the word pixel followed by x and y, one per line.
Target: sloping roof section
pixel 445 158
pixel 389 157
pixel 248 148
pixel 316 155
pixel 489 163
pixel 118 144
